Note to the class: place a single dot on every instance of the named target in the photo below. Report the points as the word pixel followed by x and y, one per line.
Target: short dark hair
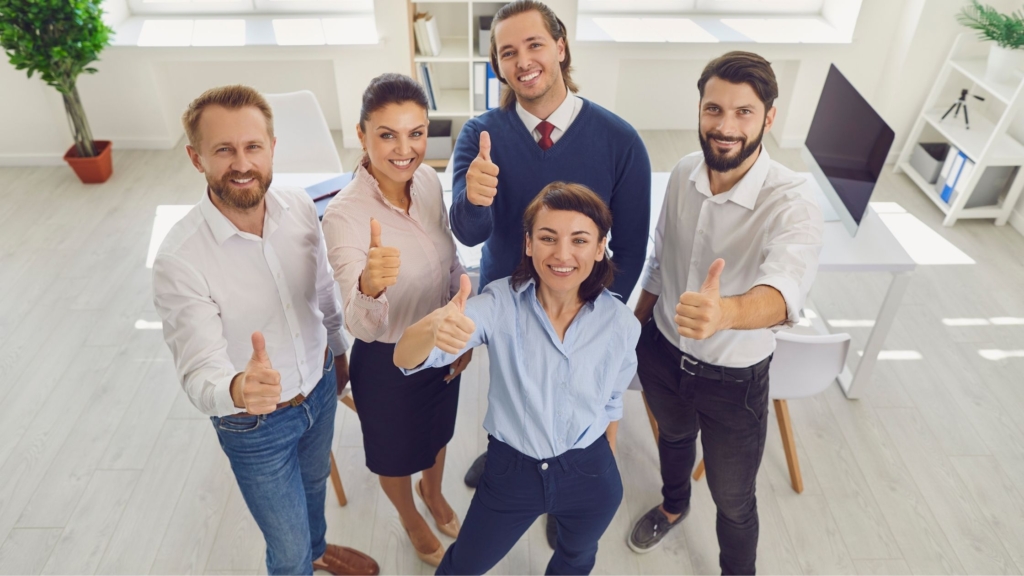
pixel 574 198
pixel 555 27
pixel 390 88
pixel 743 68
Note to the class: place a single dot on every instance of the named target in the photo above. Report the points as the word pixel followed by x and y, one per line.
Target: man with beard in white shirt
pixel 736 252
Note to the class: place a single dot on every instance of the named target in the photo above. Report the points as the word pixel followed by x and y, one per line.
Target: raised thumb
pixel 465 288
pixel 485 146
pixel 259 349
pixel 374 233
pixel 714 276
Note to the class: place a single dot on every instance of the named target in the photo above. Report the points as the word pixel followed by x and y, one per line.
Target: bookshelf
pixel 987 142
pixel 457 22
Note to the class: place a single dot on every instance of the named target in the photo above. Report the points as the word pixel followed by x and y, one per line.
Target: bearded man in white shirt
pixel 251 316
pixel 736 252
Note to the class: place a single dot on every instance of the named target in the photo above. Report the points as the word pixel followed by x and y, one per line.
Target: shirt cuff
pixel 222 398
pixel 432 359
pixel 790 291
pixel 338 343
pixel 650 281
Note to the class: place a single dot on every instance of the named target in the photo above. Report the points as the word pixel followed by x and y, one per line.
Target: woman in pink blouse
pixel 394 259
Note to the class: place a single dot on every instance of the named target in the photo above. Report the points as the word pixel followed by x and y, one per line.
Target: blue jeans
pixel 281 461
pixel 580 488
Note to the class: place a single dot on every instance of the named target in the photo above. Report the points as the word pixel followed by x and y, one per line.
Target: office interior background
pixel 105 466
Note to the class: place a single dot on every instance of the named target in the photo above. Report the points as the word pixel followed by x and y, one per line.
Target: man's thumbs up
pixel 485 145
pixel 482 176
pixel 258 388
pixel 259 350
pixel 374 233
pixel 699 314
pixel 382 265
pixel 710 285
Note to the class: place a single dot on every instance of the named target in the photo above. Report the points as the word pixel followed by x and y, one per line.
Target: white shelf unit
pixel 457 21
pixel 986 143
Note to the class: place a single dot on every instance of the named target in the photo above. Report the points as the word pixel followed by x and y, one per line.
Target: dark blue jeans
pixel 733 420
pixel 580 488
pixel 281 461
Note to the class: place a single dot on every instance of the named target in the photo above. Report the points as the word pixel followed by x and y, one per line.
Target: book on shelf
pixel 484 36
pixel 426 77
pixel 493 89
pixel 956 177
pixel 479 86
pixel 428 38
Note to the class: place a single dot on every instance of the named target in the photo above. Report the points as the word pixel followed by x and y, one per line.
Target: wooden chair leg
pixel 698 473
pixel 650 416
pixel 789 445
pixel 336 480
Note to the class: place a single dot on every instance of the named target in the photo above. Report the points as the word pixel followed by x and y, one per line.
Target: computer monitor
pixel 846 148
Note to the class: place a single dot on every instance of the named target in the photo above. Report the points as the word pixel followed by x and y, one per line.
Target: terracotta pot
pixel 95 170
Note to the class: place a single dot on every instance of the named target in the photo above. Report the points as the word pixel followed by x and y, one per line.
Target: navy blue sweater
pixel 599 150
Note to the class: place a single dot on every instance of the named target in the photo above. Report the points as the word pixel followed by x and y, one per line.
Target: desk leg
pixel 856 383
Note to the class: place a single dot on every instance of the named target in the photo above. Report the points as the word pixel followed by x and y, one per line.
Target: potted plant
pixel 59 39
pixel 1006 58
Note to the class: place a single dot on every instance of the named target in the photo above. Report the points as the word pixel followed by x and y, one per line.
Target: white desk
pixel 874 249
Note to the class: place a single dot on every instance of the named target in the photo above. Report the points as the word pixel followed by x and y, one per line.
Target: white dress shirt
pixel 561 118
pixel 215 285
pixel 764 228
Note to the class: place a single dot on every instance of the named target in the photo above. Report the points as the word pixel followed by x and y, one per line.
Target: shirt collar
pixel 745 192
pixel 559 118
pixel 529 288
pixel 223 228
pixel 370 183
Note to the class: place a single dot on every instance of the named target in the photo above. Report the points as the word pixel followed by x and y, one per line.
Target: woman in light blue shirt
pixel 562 352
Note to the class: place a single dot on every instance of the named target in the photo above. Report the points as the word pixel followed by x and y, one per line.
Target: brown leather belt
pixel 299 399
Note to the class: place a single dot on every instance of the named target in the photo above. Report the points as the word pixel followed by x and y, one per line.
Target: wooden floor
pixel 105 467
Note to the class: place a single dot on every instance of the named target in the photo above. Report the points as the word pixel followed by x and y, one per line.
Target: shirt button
pixel 296 334
pixel 701 231
pixel 287 306
pixel 544 466
pixel 278 274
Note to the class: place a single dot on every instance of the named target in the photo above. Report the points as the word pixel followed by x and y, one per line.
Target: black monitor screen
pixel 849 141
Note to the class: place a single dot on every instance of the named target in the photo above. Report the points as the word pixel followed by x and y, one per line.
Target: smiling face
pixel 732 123
pixel 235 153
pixel 395 139
pixel 530 58
pixel 564 246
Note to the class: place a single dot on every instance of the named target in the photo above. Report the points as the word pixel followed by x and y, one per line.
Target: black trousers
pixel 731 411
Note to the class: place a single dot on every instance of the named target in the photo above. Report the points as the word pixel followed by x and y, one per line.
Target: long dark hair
pixel 390 88
pixel 555 27
pixel 573 198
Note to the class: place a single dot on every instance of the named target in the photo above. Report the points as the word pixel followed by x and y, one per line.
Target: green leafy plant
pixel 1006 30
pixel 57 39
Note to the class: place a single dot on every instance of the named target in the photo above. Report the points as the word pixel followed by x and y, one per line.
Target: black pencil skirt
pixel 406 420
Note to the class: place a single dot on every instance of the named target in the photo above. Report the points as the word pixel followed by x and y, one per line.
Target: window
pixel 251 6
pixel 748 7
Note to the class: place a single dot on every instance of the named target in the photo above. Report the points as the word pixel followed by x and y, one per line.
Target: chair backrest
pixel 805 364
pixel 304 141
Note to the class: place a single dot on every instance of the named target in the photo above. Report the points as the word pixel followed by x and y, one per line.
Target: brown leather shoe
pixel 340 560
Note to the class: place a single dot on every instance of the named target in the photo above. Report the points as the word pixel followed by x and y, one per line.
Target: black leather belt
pixel 700 369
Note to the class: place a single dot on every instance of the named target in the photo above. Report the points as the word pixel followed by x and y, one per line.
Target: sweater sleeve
pixel 471 224
pixel 631 206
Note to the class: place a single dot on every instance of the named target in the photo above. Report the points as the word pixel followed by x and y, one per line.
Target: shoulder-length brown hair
pixel 555 27
pixel 573 198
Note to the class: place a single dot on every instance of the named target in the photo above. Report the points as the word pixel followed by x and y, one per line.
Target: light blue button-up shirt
pixel 547 395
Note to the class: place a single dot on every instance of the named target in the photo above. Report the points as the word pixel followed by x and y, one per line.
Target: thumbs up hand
pixel 258 388
pixel 699 314
pixel 482 177
pixel 452 328
pixel 382 265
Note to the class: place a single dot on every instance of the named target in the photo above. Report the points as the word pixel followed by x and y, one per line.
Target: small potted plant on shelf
pixel 1006 57
pixel 59 39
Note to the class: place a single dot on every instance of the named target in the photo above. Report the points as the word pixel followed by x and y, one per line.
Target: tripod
pixel 961 103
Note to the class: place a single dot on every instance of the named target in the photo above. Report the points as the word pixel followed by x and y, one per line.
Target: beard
pixel 724 163
pixel 241 199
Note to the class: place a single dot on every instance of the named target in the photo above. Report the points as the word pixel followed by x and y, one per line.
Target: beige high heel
pixel 433 558
pixel 451 528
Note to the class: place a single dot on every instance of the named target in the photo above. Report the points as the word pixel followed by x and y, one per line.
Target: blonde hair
pixel 231 97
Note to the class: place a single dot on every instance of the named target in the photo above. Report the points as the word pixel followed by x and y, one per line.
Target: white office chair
pixel 803 365
pixel 304 141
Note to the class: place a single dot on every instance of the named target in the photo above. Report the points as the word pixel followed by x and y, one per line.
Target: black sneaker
pixel 552 530
pixel 650 529
pixel 476 470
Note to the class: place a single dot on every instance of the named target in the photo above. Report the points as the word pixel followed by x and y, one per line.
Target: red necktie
pixel 545 128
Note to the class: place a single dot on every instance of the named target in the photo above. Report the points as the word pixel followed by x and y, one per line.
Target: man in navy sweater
pixel 543 133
